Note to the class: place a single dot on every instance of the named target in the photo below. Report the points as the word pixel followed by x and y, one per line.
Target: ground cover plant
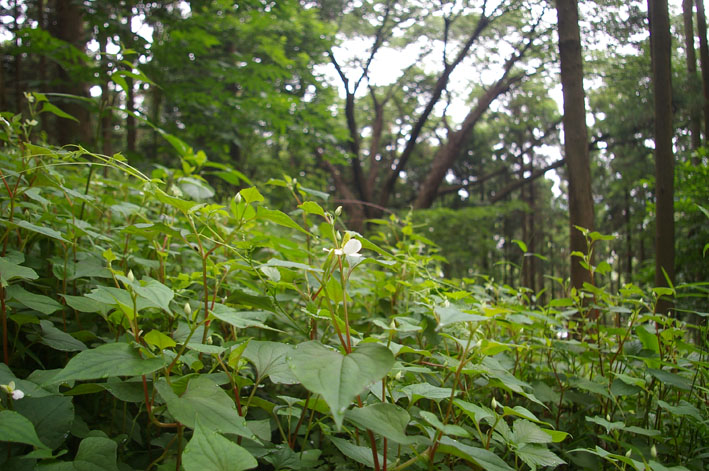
pixel 149 324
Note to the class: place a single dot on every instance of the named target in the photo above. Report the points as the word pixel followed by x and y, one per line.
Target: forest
pixel 354 234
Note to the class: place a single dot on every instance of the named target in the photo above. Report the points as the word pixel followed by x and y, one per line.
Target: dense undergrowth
pixel 146 325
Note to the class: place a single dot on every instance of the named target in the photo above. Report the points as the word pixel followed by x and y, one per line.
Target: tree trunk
pixel 18 58
pixel 447 154
pixel 695 115
pixel 704 61
pixel 575 134
pixel 664 158
pixel 628 240
pixel 532 232
pixel 441 84
pixel 69 27
pixel 131 134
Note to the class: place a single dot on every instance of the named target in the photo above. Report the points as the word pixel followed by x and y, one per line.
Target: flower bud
pixel 237 198
pixel 187 309
pixel 653 451
pixel 130 276
pixel 628 453
pixel 493 403
pixel 338 211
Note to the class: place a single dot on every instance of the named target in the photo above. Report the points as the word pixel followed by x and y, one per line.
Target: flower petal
pixel 352 247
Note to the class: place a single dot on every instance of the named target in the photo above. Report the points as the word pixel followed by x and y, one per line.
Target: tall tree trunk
pixel 155 117
pixel 703 61
pixel 695 115
pixel 18 58
pixel 532 237
pixel 106 113
pixel 664 158
pixel 575 134
pixel 130 120
pixel 69 27
pixel 628 240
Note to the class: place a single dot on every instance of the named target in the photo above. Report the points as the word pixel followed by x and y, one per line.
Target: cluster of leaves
pixel 147 326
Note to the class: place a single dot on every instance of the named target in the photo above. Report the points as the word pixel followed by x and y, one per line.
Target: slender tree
pixel 703 61
pixel 575 134
pixel 664 159
pixel 695 118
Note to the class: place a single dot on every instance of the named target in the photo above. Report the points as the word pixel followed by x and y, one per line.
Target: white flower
pixel 10 389
pixel 352 248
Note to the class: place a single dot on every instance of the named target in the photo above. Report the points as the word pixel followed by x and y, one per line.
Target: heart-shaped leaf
pixel 336 377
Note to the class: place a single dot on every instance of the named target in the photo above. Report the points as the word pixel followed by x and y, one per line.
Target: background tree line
pixel 466 131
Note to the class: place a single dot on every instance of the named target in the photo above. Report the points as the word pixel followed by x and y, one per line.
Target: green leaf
pixel 50 108
pixel 208 450
pixel 388 420
pixel 311 207
pixel 10 271
pixel 525 431
pixel 84 304
pixel 522 246
pixel 233 176
pixel 605 423
pixel 486 459
pixel 246 299
pixel 450 315
pixel 158 339
pixel 426 391
pixel 648 338
pixel 360 454
pixel 537 455
pixel 311 192
pixel 46 231
pixel 274 262
pixel 204 400
pixel 448 429
pixel 176 203
pixel 240 319
pixel 18 429
pixel 96 454
pixel 339 378
pixel 670 378
pixel 269 359
pixel 683 409
pixel 51 416
pixel 195 188
pixel 37 302
pixel 474 411
pixel 271 273
pixel 251 194
pixel 156 292
pixel 108 360
pixel 58 339
pixel 557 436
pixel 520 411
pixel 278 217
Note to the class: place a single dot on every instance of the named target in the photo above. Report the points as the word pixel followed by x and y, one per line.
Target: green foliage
pixel 148 325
